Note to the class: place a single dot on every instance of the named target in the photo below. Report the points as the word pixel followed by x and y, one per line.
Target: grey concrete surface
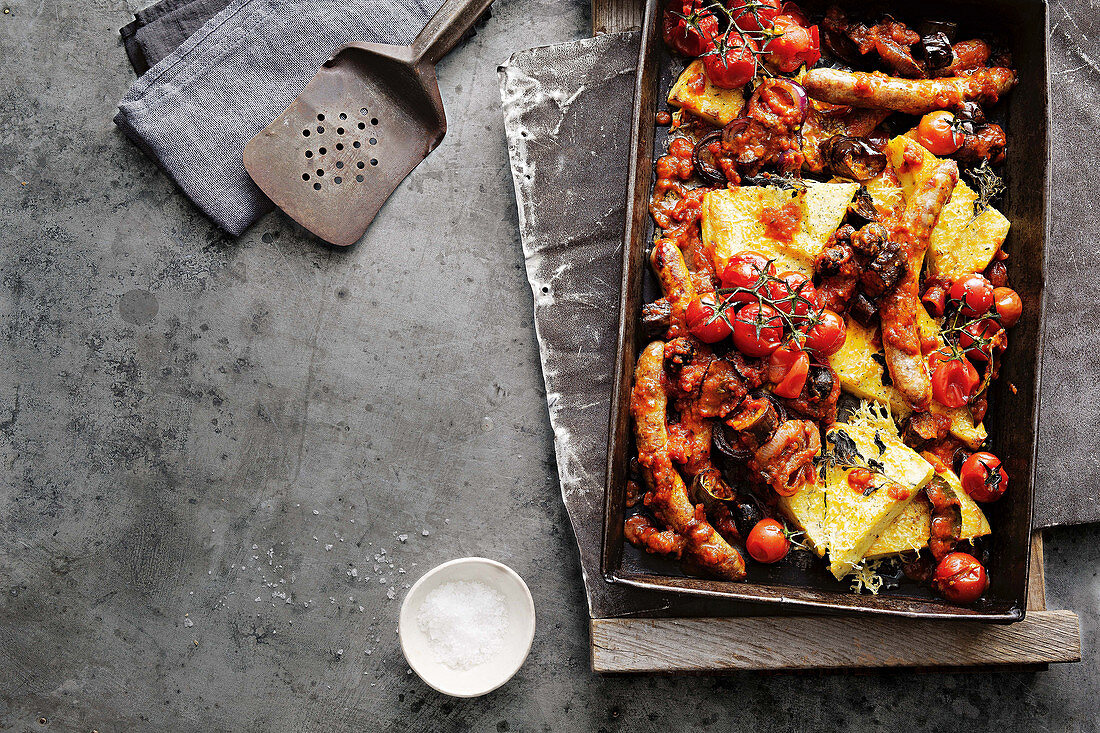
pixel 219 457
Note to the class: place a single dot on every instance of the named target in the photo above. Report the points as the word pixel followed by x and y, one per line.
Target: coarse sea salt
pixel 465 623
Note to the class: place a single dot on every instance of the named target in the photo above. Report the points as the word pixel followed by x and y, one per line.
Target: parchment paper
pixel 567 115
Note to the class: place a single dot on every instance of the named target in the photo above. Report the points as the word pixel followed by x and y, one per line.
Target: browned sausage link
pixel 946 518
pixel 912 96
pixel 900 338
pixel 669 498
pixel 676 284
pixel 643 534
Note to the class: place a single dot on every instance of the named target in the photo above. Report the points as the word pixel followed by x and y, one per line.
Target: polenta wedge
pixel 694 92
pixel 859 508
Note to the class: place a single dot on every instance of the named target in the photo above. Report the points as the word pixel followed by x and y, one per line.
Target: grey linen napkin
pixel 567 118
pixel 159 30
pixel 197 108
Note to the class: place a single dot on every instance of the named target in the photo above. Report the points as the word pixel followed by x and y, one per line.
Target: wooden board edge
pixel 798 643
pixel 1036 584
pixel 613 16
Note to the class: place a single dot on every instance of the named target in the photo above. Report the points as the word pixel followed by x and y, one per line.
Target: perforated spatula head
pixel 364 121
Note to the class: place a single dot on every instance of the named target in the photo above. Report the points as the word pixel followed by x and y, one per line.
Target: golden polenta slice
pixel 860 366
pixel 806 511
pixel 962 242
pixel 694 93
pixel 857 513
pixel 735 220
pixel 912 529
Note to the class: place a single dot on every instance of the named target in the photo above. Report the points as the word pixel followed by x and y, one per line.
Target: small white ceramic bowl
pixel 488 675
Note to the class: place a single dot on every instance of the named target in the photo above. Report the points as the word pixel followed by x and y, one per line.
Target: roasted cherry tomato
pixel 982 338
pixel 788 367
pixel 974 292
pixel 795 295
pixel 828 335
pixel 1009 306
pixel 757 329
pixel 794 45
pixel 704 322
pixel 753 15
pixel 688 28
pixel 767 541
pixel 953 380
pixel 960 578
pixel 983 477
pixel 746 270
pixel 795 12
pixel 937 132
pixel 731 64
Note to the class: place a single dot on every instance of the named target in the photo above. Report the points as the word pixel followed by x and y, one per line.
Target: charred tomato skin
pixel 767 542
pixel 974 293
pixel 938 131
pixel 960 578
pixel 983 477
pixel 703 320
pixel 757 330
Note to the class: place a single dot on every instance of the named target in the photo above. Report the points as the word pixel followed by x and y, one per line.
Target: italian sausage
pixel 669 497
pixel 676 283
pixel 911 96
pixel 898 310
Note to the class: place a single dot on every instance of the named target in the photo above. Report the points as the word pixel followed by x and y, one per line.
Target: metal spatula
pixel 367 118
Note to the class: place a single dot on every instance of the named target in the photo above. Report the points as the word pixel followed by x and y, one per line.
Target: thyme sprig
pixel 990 186
pixel 955 323
pixel 844 453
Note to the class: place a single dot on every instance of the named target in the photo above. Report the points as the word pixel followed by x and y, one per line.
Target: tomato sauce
pixel 860 480
pixel 782 222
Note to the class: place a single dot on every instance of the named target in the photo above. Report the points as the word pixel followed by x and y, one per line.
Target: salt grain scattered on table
pixel 465 623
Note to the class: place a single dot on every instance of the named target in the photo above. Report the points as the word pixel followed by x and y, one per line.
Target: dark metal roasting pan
pixel 1012 418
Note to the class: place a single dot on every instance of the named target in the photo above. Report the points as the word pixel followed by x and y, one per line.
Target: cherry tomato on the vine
pixel 974 292
pixel 795 12
pixel 788 367
pixel 757 329
pixel 746 270
pixel 731 63
pixel 983 477
pixel 1009 306
pixel 704 322
pixel 689 29
pixel 981 338
pixel 960 578
pixel 937 132
pixel 767 541
pixel 753 15
pixel 828 335
pixel 953 380
pixel 795 295
pixel 794 45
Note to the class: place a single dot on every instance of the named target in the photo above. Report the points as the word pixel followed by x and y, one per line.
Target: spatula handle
pixel 446 27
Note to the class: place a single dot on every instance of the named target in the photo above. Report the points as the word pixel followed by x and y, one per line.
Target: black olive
pixel 970 117
pixel 853 157
pixel 862 207
pixel 863 309
pixel 820 384
pixel 745 515
pixel 937 51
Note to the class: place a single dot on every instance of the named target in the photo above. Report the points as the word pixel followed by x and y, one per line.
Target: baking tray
pixel 1012 418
